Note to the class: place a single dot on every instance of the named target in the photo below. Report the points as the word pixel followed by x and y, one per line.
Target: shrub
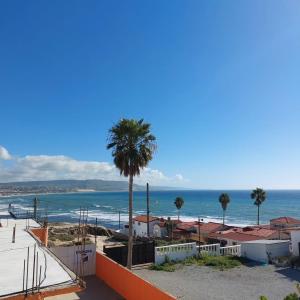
pixel 65 237
pixel 220 262
pixel 167 267
pixel 293 296
pixel 263 298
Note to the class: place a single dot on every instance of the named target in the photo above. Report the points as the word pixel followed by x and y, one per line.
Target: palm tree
pixel 224 199
pixel 132 147
pixel 260 196
pixel 178 203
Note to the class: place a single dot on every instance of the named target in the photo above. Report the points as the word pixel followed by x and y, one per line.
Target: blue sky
pixel 218 80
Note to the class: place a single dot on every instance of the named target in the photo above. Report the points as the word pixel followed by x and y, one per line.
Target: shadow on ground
pixel 96 289
pixel 291 274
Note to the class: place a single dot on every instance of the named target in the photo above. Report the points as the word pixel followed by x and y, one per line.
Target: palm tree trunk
pixel 223 217
pixel 257 214
pixel 178 214
pixel 130 238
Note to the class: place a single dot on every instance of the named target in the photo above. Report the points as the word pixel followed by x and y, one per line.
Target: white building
pixel 295 240
pixel 140 225
pixel 160 230
pixel 265 250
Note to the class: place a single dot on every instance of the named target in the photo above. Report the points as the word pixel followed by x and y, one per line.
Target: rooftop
pixel 286 220
pixel 268 242
pixel 13 256
pixel 236 236
pixel 210 227
pixel 143 218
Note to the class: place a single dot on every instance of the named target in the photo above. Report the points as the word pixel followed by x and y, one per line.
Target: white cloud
pixel 46 167
pixel 4 154
pixel 179 177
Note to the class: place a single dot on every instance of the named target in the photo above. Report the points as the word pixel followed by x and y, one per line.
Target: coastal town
pixel 149 150
pixel 73 256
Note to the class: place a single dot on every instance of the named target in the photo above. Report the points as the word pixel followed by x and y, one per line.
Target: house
pixel 206 229
pixel 139 224
pixel 230 238
pixel 284 222
pixel 265 251
pixel 160 229
pixel 237 235
pixel 184 230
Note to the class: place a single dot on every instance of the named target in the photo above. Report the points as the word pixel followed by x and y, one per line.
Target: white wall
pixel 277 250
pixel 140 228
pixel 69 255
pixel 256 252
pixel 295 239
pixel 259 251
pixel 175 252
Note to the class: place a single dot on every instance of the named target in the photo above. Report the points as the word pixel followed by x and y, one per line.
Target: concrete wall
pixel 71 254
pixel 175 252
pixel 278 250
pixel 126 283
pixel 259 251
pixel 295 239
pixel 256 252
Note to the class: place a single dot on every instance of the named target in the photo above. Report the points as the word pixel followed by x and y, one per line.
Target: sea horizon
pixel 105 206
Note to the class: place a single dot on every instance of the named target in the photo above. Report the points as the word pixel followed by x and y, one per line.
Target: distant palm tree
pixel 178 203
pixel 132 147
pixel 224 199
pixel 259 195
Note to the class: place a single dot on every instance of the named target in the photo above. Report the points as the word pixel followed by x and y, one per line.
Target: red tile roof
pixel 253 231
pixel 209 227
pixel 235 236
pixel 285 220
pixel 143 218
pixel 186 225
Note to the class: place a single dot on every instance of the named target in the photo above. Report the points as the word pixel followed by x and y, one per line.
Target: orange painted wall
pixel 126 283
pixel 41 234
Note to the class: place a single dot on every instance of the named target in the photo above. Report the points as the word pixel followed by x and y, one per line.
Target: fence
pixel 175 252
pixel 210 249
pixel 182 251
pixel 231 250
pixel 142 252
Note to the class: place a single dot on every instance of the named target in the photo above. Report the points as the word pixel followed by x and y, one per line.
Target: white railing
pixel 231 250
pixel 210 249
pixel 182 251
pixel 175 252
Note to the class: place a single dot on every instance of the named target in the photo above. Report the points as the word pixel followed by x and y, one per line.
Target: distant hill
pixel 66 186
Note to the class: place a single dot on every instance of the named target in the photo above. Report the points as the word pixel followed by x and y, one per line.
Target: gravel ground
pixel 242 283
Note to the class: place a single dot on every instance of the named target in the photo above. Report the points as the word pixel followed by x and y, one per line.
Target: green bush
pixel 167 267
pixel 293 296
pixel 263 298
pixel 219 262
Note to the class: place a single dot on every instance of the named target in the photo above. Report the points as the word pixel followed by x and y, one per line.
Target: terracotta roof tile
pixel 285 220
pixel 143 218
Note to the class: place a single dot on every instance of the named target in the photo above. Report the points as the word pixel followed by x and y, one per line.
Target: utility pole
pixel 199 235
pixel 96 229
pixel 119 220
pixel 148 211
pixel 35 200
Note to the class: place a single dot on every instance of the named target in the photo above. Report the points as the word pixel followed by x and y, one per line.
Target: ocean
pixel 204 204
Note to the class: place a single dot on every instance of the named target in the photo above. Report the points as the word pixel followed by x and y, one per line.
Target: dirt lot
pixel 242 283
